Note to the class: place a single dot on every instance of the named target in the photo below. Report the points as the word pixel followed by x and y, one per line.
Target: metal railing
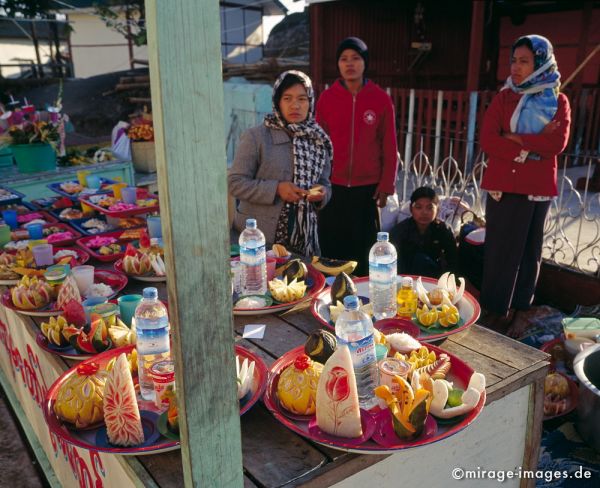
pixel 572 228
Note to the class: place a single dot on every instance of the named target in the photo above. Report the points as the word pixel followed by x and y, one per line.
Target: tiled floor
pixel 18 466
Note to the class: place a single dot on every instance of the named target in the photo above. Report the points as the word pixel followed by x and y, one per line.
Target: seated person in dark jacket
pixel 425 246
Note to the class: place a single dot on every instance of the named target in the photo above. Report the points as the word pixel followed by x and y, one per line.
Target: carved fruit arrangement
pixel 31 293
pixel 121 411
pixel 297 386
pixel 320 345
pixel 284 293
pixel 132 359
pixel 135 262
pixel 68 291
pixel 409 408
pixel 79 399
pixel 448 316
pixel 53 331
pixel 426 316
pixel 91 342
pixel 119 333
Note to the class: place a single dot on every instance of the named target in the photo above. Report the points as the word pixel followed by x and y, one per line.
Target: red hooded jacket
pixel 362 128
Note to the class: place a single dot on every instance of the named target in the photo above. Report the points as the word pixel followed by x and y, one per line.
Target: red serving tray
pixel 45 215
pixel 460 373
pixel 84 244
pixel 122 213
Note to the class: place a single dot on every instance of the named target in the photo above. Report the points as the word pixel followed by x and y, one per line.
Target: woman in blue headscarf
pixel 524 129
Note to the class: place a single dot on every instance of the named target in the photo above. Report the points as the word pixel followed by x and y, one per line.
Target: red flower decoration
pixel 337 385
pixel 131 251
pixel 87 369
pixel 144 240
pixel 302 362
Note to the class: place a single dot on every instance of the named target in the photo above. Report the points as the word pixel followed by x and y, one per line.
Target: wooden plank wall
pixel 585 128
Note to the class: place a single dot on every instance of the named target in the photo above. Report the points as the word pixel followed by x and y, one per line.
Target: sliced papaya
pixel 384 392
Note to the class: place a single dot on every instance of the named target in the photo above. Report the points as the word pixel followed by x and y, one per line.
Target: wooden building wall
pixel 388 28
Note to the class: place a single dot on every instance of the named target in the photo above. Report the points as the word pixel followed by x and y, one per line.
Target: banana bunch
pixel 284 292
pixel 333 267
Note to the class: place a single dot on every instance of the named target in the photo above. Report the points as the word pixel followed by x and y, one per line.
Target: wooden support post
pixel 39 70
pixel 477 20
pixel 187 95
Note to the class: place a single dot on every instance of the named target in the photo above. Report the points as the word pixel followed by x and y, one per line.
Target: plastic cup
pixel 154 226
pixel 93 182
pixel 89 304
pixel 82 175
pixel 129 194
pixel 127 306
pixel 271 265
pixel 84 277
pixel 117 189
pixel 36 231
pixel 10 218
pixel 43 254
pixel 4 234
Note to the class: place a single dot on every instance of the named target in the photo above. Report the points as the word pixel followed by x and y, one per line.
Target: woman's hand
pixel 381 198
pixel 316 194
pixel 289 192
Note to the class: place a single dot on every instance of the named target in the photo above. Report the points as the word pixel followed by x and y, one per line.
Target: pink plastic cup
pixel 271 265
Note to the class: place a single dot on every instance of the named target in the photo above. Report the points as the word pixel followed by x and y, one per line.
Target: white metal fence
pixel 572 229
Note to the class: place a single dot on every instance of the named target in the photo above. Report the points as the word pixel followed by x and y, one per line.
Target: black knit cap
pixel 355 44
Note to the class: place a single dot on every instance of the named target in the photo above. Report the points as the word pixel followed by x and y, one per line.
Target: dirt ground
pixel 17 464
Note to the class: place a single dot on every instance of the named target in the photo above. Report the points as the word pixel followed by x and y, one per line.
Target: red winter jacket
pixel 363 132
pixel 534 177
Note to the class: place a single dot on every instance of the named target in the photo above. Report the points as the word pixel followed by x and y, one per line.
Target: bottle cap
pixel 150 292
pixel 351 302
pixel 407 281
pixel 383 236
pixel 251 223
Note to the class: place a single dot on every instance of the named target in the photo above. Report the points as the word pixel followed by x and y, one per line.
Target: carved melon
pixel 121 412
pixel 338 411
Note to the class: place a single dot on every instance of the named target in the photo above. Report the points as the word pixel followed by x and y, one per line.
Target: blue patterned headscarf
pixel 539 102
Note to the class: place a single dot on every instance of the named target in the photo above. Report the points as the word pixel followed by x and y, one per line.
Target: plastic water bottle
pixel 253 257
pixel 354 329
pixel 382 277
pixel 152 328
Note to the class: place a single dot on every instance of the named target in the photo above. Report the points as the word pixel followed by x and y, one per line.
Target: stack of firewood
pixel 268 69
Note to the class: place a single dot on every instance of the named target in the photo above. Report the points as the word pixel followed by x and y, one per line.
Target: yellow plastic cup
pixel 82 175
pixel 116 188
pixel 32 243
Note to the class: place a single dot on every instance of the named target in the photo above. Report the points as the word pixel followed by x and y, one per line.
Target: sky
pixel 271 21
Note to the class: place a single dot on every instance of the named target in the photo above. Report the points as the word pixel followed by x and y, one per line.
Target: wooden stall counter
pixel 505 436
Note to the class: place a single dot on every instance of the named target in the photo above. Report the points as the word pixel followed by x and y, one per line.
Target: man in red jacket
pixel 359 118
